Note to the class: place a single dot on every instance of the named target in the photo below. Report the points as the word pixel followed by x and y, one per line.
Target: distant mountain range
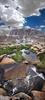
pixel 22 36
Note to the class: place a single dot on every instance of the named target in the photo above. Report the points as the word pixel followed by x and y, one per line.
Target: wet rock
pixel 38 95
pixel 32 81
pixel 41 70
pixel 8 86
pixel 21 96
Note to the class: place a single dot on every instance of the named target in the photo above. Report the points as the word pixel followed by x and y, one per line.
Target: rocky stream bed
pixel 21 82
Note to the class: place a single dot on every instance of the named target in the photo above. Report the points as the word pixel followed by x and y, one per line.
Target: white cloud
pixel 27 27
pixel 15 18
pixel 42 26
pixel 30 6
pixel 11 15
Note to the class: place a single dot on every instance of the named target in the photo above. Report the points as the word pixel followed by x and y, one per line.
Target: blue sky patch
pixel 36 21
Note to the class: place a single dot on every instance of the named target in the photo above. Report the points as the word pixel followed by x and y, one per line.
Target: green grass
pixel 18 57
pixel 14 49
pixel 42 60
pixel 8 50
pixel 42 57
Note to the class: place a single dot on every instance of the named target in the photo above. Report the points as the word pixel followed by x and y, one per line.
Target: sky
pixel 22 14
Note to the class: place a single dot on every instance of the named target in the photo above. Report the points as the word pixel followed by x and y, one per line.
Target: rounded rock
pixel 38 95
pixel 22 96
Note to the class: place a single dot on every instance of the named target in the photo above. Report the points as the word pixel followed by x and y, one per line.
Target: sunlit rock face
pixel 6 60
pixel 2 92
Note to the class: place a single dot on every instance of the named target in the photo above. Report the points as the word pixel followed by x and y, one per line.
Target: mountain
pixel 18 36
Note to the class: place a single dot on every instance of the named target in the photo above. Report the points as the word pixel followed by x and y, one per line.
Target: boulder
pixel 2 92
pixel 22 96
pixel 6 60
pixel 38 95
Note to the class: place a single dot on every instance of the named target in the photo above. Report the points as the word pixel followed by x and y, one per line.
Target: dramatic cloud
pixel 11 16
pixel 30 6
pixel 13 12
